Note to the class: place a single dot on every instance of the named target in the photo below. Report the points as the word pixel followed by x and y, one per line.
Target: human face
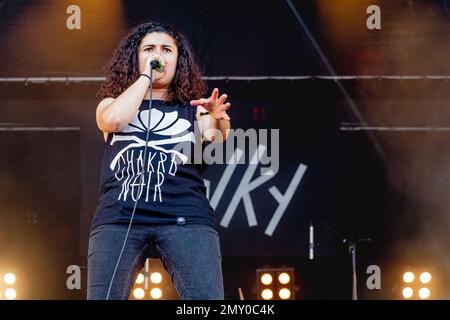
pixel 159 45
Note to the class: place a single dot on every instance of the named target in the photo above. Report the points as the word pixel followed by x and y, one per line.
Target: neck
pixel 157 94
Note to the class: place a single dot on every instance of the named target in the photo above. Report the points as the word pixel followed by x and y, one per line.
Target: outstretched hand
pixel 214 105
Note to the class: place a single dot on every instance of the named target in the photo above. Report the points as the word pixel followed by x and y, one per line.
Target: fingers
pixel 225 106
pixel 214 103
pixel 199 102
pixel 222 99
pixel 215 94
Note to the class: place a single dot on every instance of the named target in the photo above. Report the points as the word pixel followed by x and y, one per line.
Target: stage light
pixel 275 283
pixel 266 279
pixel 140 278
pixel 284 278
pixel 153 283
pixel 139 293
pixel 419 284
pixel 156 277
pixel 156 293
pixel 284 293
pixel 10 294
pixel 425 277
pixel 407 292
pixel 424 293
pixel 408 277
pixel 267 294
pixel 9 278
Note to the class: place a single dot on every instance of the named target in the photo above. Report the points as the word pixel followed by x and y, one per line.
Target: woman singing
pixel 172 212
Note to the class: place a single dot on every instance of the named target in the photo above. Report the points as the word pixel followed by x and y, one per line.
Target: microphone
pixel 157 64
pixel 311 242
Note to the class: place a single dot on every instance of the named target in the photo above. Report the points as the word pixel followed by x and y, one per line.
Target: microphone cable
pixel 157 65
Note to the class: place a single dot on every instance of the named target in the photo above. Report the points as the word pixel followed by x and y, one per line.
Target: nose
pixel 158 55
pixel 155 54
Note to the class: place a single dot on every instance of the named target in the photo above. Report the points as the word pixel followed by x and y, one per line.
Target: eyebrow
pixel 153 45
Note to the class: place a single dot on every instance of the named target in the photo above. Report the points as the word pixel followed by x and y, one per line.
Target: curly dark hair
pixel 123 67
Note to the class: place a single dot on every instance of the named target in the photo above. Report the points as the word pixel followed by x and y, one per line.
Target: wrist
pixel 211 114
pixel 220 118
pixel 146 76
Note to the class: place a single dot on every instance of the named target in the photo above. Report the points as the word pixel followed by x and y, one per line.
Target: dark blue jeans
pixel 189 253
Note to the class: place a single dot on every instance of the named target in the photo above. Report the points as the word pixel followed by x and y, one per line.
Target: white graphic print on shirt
pixel 128 164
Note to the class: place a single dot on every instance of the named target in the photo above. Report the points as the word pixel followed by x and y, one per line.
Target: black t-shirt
pixel 173 189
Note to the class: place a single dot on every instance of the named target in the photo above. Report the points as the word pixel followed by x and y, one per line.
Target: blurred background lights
pixel 153 283
pixel 156 277
pixel 267 294
pixel 425 277
pixel 9 278
pixel 140 278
pixel 156 293
pixel 139 293
pixel 408 277
pixel 284 278
pixel 285 293
pixel 275 283
pixel 424 293
pixel 418 287
pixel 266 279
pixel 407 293
pixel 10 294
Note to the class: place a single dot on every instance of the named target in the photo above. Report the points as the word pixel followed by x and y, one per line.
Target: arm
pixel 212 129
pixel 114 114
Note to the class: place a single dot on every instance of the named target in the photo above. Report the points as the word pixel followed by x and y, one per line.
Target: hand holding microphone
pixel 157 64
pixel 154 62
